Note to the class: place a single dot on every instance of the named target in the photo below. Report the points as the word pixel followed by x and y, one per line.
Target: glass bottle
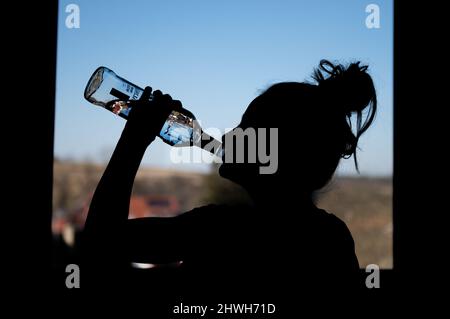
pixel 110 91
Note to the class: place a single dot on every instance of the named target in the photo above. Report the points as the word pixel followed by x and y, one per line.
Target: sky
pixel 216 57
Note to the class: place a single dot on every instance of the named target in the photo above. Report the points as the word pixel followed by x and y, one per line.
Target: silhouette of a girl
pixel 283 238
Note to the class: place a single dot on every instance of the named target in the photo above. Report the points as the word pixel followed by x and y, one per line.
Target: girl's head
pixel 314 126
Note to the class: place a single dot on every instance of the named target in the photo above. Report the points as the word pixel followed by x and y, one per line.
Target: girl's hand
pixel 147 117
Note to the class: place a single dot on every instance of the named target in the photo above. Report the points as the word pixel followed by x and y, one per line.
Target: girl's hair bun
pixel 350 90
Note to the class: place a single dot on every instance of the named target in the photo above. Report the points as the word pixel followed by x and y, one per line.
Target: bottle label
pixel 126 92
pixel 132 92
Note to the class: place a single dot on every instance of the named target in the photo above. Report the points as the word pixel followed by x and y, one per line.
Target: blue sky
pixel 214 56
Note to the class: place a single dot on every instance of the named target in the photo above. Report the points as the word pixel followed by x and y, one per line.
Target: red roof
pixel 58 224
pixel 153 206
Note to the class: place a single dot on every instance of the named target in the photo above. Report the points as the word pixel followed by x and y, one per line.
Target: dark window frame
pixel 46 118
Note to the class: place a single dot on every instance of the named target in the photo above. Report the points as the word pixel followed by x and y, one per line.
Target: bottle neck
pixel 210 144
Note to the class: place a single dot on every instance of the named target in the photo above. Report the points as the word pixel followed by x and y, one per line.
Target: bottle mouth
pixel 93 84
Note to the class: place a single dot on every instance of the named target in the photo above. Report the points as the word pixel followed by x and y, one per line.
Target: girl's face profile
pixel 236 171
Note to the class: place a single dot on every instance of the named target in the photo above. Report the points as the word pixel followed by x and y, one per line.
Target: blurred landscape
pixel 364 203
